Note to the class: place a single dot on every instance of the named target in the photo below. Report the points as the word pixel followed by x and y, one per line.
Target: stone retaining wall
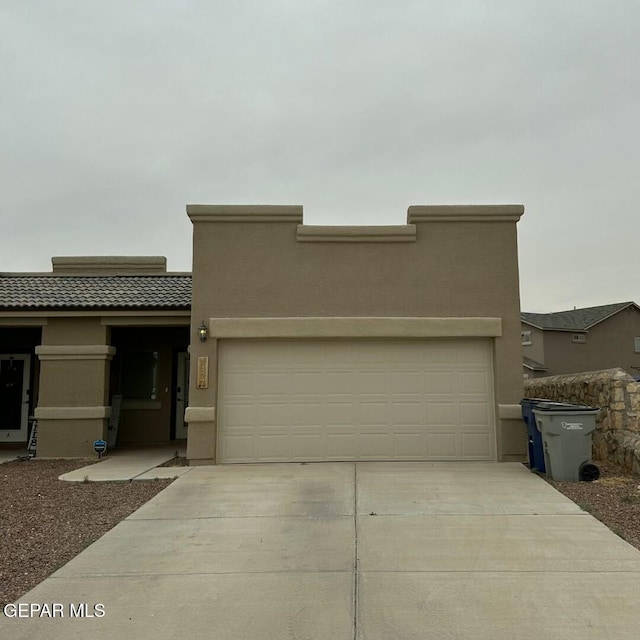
pixel 617 435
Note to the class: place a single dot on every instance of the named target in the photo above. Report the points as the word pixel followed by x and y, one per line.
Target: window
pixel 526 337
pixel 636 346
pixel 139 375
pixel 579 337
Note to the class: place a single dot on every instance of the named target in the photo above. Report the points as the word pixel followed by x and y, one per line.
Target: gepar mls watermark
pixel 54 610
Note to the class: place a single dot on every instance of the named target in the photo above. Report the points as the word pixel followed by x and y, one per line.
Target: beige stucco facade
pixel 73 408
pixel 75 356
pixel 448 277
pixel 450 273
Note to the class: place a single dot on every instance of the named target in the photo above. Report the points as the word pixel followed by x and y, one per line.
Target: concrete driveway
pixel 341 551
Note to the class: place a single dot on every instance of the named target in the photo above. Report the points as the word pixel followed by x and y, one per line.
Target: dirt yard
pixel 45 522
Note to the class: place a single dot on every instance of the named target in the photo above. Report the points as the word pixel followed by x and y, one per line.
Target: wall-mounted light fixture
pixel 203 332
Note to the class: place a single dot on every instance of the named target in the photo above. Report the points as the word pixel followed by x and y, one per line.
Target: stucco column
pixel 201 413
pixel 72 408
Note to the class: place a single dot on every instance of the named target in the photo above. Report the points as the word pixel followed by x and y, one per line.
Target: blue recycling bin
pixel 534 437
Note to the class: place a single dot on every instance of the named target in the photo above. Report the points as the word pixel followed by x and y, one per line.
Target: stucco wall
pixel 461 262
pixel 617 436
pixel 72 408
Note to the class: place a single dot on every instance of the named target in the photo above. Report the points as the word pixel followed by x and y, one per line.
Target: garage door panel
pixel 470 352
pixel 405 414
pixel 272 414
pixel 274 445
pixel 406 381
pixel 439 352
pixel 437 382
pixel 239 384
pixel 443 445
pixel 375 444
pixel 371 382
pixel 376 413
pixel 386 352
pixel 473 382
pixel 337 382
pixel 240 415
pixel 336 412
pixel 473 414
pixel 406 444
pixel 303 383
pixel 310 446
pixel 441 414
pixel 355 400
pixel 271 383
pixel 475 445
pixel 238 447
pixel 341 446
pixel 305 413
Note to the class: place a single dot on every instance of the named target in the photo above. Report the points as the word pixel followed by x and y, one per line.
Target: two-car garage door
pixel 297 400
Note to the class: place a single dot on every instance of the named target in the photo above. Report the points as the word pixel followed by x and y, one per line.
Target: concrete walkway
pixel 338 551
pixel 131 464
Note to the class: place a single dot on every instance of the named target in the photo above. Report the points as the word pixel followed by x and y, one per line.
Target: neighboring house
pixel 588 339
pixel 93 329
pixel 306 342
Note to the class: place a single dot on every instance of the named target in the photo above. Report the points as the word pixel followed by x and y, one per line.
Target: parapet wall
pixel 617 435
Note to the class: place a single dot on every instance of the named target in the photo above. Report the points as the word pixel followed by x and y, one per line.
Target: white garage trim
pixel 297 400
pixel 355 327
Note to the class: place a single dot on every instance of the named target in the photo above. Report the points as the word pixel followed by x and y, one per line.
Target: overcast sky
pixel 114 115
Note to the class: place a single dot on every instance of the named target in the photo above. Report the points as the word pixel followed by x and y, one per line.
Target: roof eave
pixel 93 310
pixel 531 324
pixel 626 306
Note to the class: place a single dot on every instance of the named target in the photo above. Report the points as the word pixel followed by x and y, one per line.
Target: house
pixel 355 343
pixel 91 330
pixel 587 339
pixel 296 342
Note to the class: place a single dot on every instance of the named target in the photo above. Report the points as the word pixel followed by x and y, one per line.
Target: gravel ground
pixel 178 461
pixel 614 499
pixel 45 522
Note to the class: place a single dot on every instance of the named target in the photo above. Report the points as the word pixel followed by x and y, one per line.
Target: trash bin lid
pixel 563 407
pixel 533 400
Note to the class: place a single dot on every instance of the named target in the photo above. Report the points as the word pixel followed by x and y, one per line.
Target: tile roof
pixel 41 292
pixel 575 320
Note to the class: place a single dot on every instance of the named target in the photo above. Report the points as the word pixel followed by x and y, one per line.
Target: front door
pixel 182 394
pixel 14 397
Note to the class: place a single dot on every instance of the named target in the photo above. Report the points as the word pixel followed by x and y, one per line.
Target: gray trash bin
pixel 566 435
